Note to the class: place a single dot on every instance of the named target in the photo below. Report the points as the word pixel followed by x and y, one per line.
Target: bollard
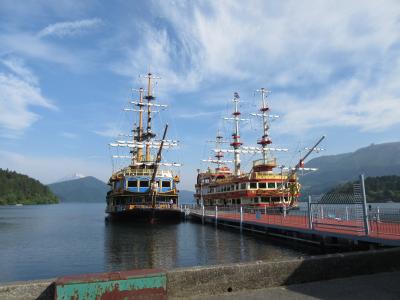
pixel 216 214
pixel 347 213
pixel 378 218
pixel 202 213
pixel 322 212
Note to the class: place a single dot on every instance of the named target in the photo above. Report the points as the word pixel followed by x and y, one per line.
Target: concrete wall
pixel 28 290
pixel 186 282
pixel 221 279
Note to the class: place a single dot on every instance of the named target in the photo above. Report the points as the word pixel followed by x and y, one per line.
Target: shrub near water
pixel 17 188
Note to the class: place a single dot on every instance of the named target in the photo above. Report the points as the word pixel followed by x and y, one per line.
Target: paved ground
pixel 377 286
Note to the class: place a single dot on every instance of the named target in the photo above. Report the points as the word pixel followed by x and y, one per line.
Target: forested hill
pixel 374 160
pixel 82 190
pixel 378 189
pixel 17 188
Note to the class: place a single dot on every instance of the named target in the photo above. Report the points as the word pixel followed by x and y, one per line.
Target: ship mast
pixel 149 134
pixel 219 154
pixel 236 135
pixel 144 137
pixel 265 140
pixel 140 129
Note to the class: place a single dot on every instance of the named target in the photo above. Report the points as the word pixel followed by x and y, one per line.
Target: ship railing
pixel 259 162
pixel 145 172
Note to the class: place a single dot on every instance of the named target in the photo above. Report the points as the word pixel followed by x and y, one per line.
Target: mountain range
pixel 90 189
pixel 374 160
pixel 86 189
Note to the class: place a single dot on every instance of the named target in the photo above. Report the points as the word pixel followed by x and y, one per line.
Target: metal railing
pixel 332 213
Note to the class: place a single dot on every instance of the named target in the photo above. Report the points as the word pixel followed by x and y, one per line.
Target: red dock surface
pixel 378 230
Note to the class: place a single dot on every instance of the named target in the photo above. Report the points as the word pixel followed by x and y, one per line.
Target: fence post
pixel 322 212
pixel 365 211
pixel 309 213
pixel 241 217
pixel 284 210
pixel 347 213
pixel 378 218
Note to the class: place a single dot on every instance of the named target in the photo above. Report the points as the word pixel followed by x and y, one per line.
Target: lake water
pixel 47 241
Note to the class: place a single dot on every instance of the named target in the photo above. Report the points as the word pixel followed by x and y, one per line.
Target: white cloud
pixel 29 46
pixel 339 55
pixel 19 91
pixel 18 67
pixel 69 135
pixel 111 130
pixel 63 29
pixel 198 114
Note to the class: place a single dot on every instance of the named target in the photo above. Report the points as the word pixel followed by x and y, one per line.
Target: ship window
pixel 264 199
pixel 132 183
pixel 166 184
pixel 275 199
pixel 256 200
pixel 253 185
pixel 243 186
pixel 271 185
pixel 144 183
pixel 262 185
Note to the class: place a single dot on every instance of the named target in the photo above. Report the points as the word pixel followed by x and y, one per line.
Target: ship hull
pixel 151 215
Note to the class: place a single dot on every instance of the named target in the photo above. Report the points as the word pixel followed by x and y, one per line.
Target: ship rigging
pixel 146 188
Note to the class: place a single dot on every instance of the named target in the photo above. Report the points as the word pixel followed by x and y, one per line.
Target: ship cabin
pixel 132 187
pixel 260 188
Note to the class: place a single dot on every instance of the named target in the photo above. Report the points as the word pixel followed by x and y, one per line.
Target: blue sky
pixel 67 69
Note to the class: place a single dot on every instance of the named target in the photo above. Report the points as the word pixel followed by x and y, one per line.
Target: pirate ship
pixel 262 185
pixel 146 189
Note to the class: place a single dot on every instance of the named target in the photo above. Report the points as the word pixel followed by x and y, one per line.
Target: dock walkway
pixel 380 230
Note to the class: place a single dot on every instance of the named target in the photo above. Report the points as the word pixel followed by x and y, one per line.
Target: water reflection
pixel 131 246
